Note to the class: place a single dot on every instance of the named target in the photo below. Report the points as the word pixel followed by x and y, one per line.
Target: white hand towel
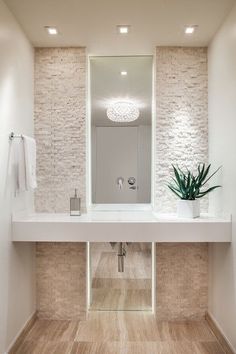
pixel 21 170
pixel 30 162
pixel 17 164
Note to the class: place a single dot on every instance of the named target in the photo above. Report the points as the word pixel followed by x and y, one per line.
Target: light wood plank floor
pixel 119 333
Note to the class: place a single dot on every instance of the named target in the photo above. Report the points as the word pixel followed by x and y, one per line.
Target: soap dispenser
pixel 75 205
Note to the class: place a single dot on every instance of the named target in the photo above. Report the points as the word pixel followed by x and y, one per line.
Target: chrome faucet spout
pixel 121 255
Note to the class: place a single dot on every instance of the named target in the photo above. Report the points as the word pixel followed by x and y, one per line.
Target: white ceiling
pixel 92 23
pixel 108 86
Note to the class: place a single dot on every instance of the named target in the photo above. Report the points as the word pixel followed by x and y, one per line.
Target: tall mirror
pixel 120 276
pixel 121 126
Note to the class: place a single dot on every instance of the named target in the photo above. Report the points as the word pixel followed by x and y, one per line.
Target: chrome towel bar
pixel 13 136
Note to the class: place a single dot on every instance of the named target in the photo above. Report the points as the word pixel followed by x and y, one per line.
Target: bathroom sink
pixel 119 226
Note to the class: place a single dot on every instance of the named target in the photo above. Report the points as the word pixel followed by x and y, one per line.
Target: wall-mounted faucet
pixel 121 255
pixel 132 187
pixel 120 182
pixel 131 182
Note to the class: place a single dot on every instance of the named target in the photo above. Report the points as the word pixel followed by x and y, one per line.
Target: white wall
pixel 17 290
pixel 222 151
pixel 116 156
pixel 129 150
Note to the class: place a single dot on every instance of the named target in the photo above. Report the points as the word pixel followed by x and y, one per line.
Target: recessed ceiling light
pixel 51 30
pixel 123 29
pixel 190 29
pixel 123 73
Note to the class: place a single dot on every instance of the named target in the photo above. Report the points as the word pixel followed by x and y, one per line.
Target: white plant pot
pixel 188 209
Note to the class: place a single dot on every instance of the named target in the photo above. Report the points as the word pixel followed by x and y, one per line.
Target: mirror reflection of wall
pixel 121 118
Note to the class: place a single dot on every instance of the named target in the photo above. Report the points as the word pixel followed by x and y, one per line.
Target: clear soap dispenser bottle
pixel 75 205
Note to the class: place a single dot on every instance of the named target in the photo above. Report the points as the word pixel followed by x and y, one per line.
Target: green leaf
pixel 205 173
pixel 172 189
pixel 188 180
pixel 188 186
pixel 176 189
pixel 200 172
pixel 202 194
pixel 212 175
pixel 178 178
pixel 174 180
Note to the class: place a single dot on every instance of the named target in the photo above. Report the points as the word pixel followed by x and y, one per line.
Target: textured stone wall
pixel 60 122
pixel 181 137
pixel 61 280
pixel 181 117
pixel 182 281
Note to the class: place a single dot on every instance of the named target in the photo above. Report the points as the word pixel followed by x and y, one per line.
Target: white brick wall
pixel 182 124
pixel 181 137
pixel 60 105
pixel 60 122
pixel 182 281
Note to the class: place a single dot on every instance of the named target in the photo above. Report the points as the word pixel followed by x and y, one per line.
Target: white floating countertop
pixel 123 226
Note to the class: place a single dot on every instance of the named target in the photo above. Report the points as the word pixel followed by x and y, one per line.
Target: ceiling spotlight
pixel 190 29
pixel 51 30
pixel 123 29
pixel 123 73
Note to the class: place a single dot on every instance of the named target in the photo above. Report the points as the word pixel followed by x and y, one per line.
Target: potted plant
pixel 189 187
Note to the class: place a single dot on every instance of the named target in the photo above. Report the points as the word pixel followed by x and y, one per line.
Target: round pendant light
pixel 123 112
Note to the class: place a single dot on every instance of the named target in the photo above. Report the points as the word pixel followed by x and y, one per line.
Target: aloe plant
pixel 189 186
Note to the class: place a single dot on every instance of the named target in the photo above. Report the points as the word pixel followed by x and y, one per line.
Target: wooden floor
pixel 119 333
